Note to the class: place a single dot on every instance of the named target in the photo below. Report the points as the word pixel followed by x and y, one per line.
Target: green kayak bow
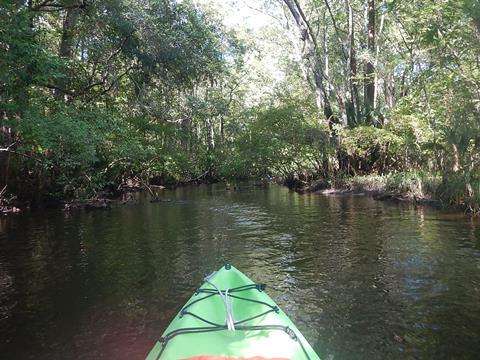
pixel 230 317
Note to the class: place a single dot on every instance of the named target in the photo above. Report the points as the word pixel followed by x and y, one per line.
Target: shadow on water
pixel 361 278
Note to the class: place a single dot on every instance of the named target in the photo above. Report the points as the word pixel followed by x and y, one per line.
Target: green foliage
pixel 23 60
pixel 278 141
pixel 122 89
pixel 461 189
pixel 370 145
pixel 160 90
pixel 69 150
pixel 417 185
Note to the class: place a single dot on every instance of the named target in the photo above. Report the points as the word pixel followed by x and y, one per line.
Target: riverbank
pixel 439 190
pixel 454 191
pixel 123 194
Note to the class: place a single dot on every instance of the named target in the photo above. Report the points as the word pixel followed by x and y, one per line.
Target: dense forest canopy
pixel 94 93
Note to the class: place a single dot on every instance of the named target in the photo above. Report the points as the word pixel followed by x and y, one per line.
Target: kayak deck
pixel 261 328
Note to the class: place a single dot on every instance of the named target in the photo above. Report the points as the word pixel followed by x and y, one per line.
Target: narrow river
pixel 360 278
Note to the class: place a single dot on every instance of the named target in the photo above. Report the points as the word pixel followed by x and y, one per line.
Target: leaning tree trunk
pixel 311 54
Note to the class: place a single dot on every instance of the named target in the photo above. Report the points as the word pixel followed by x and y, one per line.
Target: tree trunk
pixel 67 42
pixel 475 14
pixel 312 55
pixel 67 46
pixel 352 63
pixel 377 55
pixel 456 158
pixel 369 84
pixel 222 130
pixel 389 90
pixel 322 95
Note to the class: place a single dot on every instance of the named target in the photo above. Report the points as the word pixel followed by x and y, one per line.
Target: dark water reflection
pixel 362 279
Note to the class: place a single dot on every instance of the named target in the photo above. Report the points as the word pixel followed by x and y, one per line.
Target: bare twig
pixel 7 149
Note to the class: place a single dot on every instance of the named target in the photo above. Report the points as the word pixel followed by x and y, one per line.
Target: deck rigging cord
pixel 230 324
pixel 226 302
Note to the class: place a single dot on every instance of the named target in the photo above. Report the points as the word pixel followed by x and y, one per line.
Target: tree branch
pixel 51 5
pixel 337 31
pixel 7 149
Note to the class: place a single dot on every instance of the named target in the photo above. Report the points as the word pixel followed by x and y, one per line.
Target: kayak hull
pixel 262 330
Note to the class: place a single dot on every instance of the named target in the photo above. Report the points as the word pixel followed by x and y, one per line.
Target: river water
pixel 360 278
